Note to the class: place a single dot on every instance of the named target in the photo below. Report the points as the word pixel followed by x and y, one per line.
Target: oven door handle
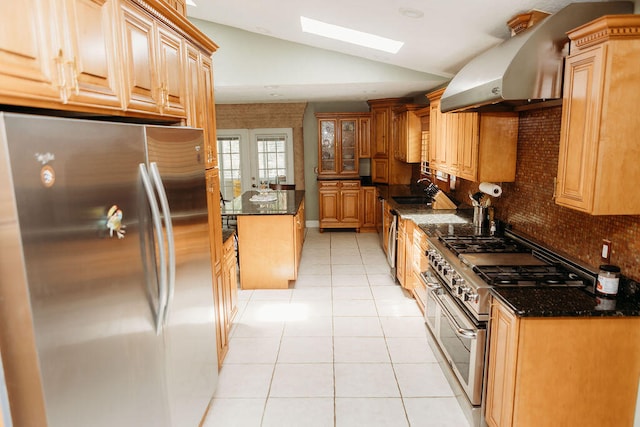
pixel 429 284
pixel 459 330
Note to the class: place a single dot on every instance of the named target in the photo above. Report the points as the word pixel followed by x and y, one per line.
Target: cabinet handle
pixel 62 81
pixel 74 75
pixel 555 187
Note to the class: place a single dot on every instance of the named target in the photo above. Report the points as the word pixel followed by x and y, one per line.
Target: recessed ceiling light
pixel 275 95
pixel 411 13
pixel 350 36
pixel 191 3
pixel 271 87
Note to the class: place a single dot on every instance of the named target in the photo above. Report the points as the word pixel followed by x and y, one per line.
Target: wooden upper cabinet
pixel 62 50
pixel 408 133
pixel 195 112
pixel 338 135
pixel 141 81
pixel 171 72
pixel 474 146
pixel 155 73
pixel 88 54
pixel 27 50
pixel 380 135
pixel 208 112
pixel 597 164
pixel 364 136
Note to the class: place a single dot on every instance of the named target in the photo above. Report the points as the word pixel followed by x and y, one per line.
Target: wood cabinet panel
pixel 474 146
pixel 596 173
pixel 368 199
pixel 27 65
pixel 90 55
pixel 139 57
pixel 339 204
pixel 338 144
pixel 407 133
pixel 385 168
pixel 549 363
pixel 208 112
pixel 364 136
pixel 171 72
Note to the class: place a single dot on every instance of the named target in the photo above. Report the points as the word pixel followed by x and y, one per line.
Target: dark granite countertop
pixel 568 302
pixel 227 233
pixel 287 203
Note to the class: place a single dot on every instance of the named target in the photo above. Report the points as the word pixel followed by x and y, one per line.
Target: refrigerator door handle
pixel 164 204
pixel 157 225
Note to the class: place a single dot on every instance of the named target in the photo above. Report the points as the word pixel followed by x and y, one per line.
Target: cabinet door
pixel 580 129
pixel 467 142
pixel 171 72
pixel 368 201
pixel 141 85
pixel 208 112
pixel 27 53
pixel 401 252
pixel 502 366
pixel 193 83
pixel 91 61
pixel 380 127
pixel 215 219
pixel 400 126
pixel 380 171
pixel 364 137
pixel 437 126
pixel 328 203
pixel 350 206
pixel 348 146
pixel 328 147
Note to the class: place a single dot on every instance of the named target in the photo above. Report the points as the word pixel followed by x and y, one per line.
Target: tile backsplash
pixel 527 204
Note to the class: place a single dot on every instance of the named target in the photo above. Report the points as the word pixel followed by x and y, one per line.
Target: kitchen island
pixel 270 237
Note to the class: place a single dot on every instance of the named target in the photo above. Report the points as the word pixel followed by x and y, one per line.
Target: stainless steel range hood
pixel 526 68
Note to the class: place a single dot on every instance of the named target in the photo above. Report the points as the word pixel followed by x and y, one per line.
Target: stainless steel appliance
pixel 392 242
pixel 462 269
pixel 112 281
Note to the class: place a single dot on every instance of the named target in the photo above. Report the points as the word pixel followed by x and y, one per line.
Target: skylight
pixel 191 3
pixel 350 36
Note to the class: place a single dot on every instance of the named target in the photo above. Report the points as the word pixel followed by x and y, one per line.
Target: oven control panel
pixel 461 282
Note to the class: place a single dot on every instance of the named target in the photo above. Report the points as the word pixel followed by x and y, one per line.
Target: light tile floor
pixel 344 347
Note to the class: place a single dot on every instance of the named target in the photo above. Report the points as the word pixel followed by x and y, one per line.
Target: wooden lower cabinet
pixel 230 280
pixel 269 248
pixel 401 251
pixel 568 371
pixel 339 204
pixel 368 208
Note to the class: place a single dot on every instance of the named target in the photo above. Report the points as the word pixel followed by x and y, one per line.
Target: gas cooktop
pixel 529 275
pixel 481 244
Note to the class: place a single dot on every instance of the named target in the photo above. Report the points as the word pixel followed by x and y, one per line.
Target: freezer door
pixel 190 329
pixel 89 258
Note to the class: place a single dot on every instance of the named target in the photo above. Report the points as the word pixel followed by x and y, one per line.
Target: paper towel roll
pixel 490 189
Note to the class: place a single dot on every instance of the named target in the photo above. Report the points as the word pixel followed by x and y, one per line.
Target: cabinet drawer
pixel 328 185
pixel 350 185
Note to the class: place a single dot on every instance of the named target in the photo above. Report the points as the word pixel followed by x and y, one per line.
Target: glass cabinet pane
pixel 348 149
pixel 328 133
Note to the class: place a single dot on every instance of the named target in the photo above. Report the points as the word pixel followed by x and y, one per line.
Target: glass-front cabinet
pixel 337 145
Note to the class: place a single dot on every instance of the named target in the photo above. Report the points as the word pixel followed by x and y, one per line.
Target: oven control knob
pixel 462 290
pixel 471 297
pixel 457 280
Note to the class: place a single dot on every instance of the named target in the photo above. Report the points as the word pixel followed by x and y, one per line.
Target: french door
pixel 250 158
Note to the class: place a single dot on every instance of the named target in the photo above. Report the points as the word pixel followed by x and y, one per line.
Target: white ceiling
pixel 436 45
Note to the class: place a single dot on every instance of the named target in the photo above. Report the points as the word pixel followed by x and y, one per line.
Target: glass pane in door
pixel 349 155
pixel 328 132
pixel 230 166
pixel 272 158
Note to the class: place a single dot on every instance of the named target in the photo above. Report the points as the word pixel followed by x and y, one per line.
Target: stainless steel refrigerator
pixel 106 281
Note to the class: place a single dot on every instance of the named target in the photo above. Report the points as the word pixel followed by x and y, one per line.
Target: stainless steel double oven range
pixel 463 267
